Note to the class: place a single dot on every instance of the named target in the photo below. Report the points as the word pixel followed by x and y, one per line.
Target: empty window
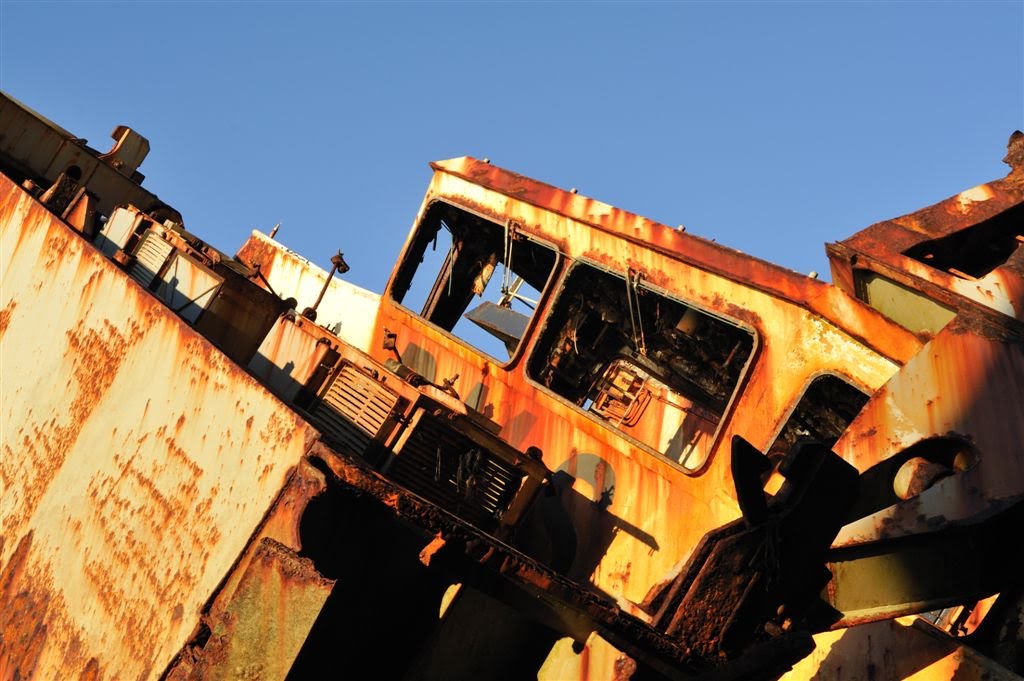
pixel 973 252
pixel 824 412
pixel 474 277
pixel 908 307
pixel 648 365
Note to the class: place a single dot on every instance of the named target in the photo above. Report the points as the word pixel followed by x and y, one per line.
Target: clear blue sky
pixel 770 127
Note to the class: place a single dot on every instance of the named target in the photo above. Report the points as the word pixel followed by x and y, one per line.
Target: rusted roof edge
pixel 819 297
pixel 955 212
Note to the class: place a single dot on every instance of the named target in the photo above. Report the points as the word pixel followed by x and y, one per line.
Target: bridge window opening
pixel 646 364
pixel 974 251
pixel 908 307
pixel 478 279
pixel 826 409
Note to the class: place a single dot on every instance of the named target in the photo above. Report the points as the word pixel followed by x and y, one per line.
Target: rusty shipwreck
pixel 566 442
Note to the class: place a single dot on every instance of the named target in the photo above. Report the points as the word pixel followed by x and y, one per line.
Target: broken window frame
pixel 406 273
pixel 808 382
pixel 973 252
pixel 905 305
pixel 726 412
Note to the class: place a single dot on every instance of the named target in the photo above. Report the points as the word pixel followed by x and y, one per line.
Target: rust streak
pixel 5 315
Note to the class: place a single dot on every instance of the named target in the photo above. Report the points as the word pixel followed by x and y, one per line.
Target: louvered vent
pixel 352 411
pixel 149 258
pixel 449 469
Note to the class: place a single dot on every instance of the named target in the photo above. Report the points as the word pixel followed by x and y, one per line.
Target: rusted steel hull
pixel 136 460
pixel 237 630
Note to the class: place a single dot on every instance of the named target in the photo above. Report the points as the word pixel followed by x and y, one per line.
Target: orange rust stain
pixel 623 575
pixel 92 282
pixel 5 316
pixel 91 671
pixel 95 358
pixel 23 610
pixel 257 251
pixel 132 513
pixel 280 428
pixel 56 245
pixel 530 577
pixel 8 453
pixel 179 454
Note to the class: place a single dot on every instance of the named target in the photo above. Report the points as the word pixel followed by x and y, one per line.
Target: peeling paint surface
pixel 135 460
pixel 904 648
pixel 938 394
pixel 968 225
pixel 153 493
pixel 346 308
pixel 803 328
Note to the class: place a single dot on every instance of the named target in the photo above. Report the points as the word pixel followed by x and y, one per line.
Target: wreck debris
pixel 609 447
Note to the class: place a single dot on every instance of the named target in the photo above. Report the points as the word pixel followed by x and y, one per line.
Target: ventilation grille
pixel 149 258
pixel 353 410
pixel 449 469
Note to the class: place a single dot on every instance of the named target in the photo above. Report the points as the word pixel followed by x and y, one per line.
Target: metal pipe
pixel 338 265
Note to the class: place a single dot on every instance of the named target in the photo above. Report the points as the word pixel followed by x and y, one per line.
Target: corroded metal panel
pixel 627 501
pixel 287 357
pixel 348 310
pixel 963 251
pixel 940 395
pixel 137 460
pixel 248 641
pixel 41 150
pixel 905 648
pixel 268 579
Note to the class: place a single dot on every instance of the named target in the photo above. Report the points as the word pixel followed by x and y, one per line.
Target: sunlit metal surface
pixel 240 458
pixel 136 460
pixel 348 310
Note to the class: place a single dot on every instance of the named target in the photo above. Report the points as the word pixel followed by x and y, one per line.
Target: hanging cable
pixel 629 305
pixel 639 321
pixel 632 297
pixel 506 279
pixel 451 256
